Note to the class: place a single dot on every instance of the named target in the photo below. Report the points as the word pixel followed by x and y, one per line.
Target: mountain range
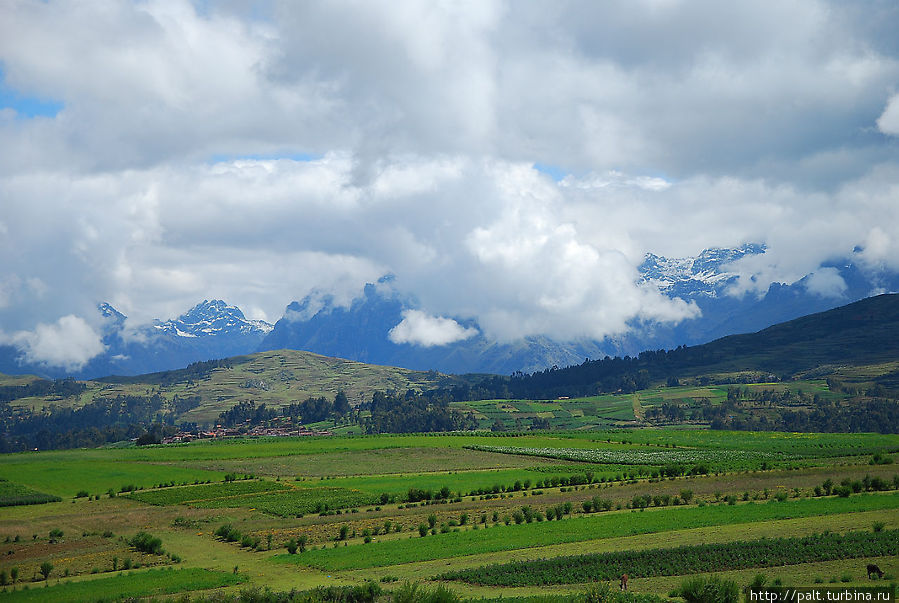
pixel 360 331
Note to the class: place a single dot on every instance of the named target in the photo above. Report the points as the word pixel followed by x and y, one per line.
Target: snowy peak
pixel 211 318
pixel 702 274
pixel 110 314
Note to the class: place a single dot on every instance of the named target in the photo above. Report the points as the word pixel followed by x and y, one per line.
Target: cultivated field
pixel 485 515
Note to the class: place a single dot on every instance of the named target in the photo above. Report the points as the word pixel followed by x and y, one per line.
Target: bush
pixel 414 593
pixel 227 533
pixel 709 590
pixel 366 593
pixel 46 569
pixel 147 543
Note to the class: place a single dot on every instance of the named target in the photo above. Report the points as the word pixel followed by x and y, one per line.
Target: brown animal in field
pixel 623 584
pixel 873 569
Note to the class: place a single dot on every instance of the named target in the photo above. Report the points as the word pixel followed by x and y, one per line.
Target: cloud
pixel 366 138
pixel 888 122
pixel 826 282
pixel 69 343
pixel 418 328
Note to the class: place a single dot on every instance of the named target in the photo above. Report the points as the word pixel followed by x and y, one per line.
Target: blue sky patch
pixel 293 156
pixel 554 172
pixel 26 106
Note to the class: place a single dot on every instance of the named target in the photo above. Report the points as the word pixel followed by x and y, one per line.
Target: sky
pixel 509 163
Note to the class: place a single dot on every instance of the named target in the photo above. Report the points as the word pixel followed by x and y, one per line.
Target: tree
pixel 341 404
pixel 46 568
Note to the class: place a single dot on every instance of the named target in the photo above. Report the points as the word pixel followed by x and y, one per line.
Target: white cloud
pixel 888 122
pixel 826 282
pixel 419 328
pixel 68 343
pixel 681 125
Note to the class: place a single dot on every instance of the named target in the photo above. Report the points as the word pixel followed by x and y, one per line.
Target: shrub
pixel 414 593
pixel 758 581
pixel 46 569
pixel 146 543
pixel 709 590
pixel 365 593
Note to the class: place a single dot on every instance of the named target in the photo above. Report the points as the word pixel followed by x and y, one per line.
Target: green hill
pixel 864 333
pixel 273 378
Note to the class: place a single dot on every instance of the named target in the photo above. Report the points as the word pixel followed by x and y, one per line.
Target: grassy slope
pixel 273 378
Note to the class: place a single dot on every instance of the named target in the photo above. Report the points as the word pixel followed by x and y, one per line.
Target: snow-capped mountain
pixel 360 331
pixel 210 319
pixel 211 329
pixel 706 274
pixel 214 329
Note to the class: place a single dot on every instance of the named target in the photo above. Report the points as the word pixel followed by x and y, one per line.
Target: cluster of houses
pixel 243 432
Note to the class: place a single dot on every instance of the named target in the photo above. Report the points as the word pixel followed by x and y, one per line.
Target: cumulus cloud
pixel 261 157
pixel 419 328
pixel 69 343
pixel 826 282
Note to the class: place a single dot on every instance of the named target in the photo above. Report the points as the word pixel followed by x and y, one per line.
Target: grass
pixel 368 462
pixel 67 474
pixel 125 585
pixel 456 481
pixel 578 529
pixel 12 494
pixel 205 492
pixel 297 501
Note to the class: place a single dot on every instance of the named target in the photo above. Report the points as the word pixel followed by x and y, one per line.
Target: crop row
pixel 579 529
pixel 689 559
pixel 296 501
pixel 12 495
pixel 185 494
pixel 633 457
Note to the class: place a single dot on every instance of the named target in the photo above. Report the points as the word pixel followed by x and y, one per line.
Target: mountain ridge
pixel 362 330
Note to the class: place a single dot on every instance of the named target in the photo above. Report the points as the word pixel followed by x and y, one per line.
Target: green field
pixel 501 538
pixel 123 586
pixel 336 493
pixel 12 494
